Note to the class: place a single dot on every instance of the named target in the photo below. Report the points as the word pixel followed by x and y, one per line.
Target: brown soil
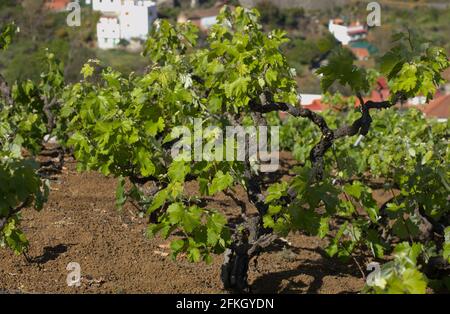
pixel 81 224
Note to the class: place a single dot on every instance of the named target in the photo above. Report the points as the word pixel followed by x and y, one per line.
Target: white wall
pixel 108 33
pixel 136 20
pixel 133 19
pixel 207 22
pixel 340 32
pixel 308 99
pixel 360 32
pixel 106 5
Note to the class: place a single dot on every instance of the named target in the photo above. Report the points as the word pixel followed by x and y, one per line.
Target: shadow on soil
pixel 50 253
pixel 286 281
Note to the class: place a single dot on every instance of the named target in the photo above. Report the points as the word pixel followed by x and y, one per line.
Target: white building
pixel 347 34
pixel 108 32
pixel 202 18
pixel 123 19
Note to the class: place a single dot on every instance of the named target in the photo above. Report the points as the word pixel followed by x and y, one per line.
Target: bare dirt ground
pixel 81 224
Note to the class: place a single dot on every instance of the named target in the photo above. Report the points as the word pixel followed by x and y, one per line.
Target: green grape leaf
pixel 276 191
pixel 220 182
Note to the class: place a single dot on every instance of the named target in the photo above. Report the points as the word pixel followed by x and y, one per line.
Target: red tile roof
pixel 317 105
pixel 56 5
pixel 437 108
pixel 357 31
pixel 360 53
pixel 382 82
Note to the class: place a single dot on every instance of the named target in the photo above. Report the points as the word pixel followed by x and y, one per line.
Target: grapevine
pixel 126 126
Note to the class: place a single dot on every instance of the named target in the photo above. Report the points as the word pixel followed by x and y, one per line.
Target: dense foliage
pixel 20 127
pixel 126 126
pixel 403 155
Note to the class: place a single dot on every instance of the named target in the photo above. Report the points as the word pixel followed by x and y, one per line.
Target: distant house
pixel 123 19
pixel 381 91
pixel 438 108
pixel 361 54
pixel 305 4
pixel 108 32
pixel 202 18
pixel 417 101
pixel 364 44
pixel 317 106
pixel 347 34
pixel 313 102
pixel 56 5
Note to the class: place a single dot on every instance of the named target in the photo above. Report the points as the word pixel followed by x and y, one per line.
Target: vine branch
pixel 12 212
pixel 361 126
